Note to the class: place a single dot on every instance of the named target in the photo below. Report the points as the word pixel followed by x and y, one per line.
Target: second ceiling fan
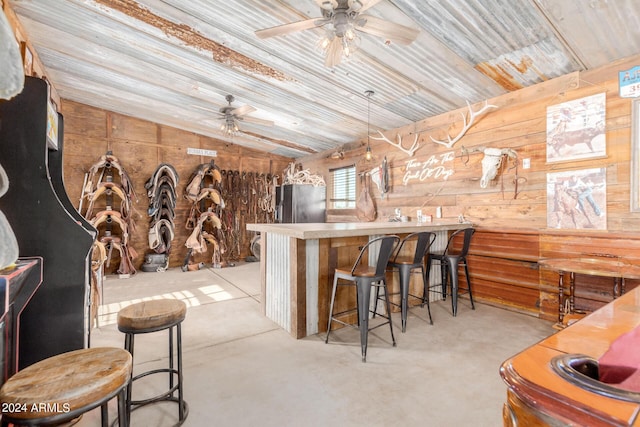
pixel 342 19
pixel 231 116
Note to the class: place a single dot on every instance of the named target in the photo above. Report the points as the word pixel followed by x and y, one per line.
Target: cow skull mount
pixel 492 161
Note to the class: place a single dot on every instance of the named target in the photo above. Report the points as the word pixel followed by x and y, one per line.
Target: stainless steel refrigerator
pixel 300 203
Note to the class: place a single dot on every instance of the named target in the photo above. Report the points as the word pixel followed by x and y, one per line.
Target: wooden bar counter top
pixel 297 262
pixel 538 396
pixel 326 230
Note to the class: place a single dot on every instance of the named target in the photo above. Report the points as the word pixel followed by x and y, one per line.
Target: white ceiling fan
pixel 342 19
pixel 231 116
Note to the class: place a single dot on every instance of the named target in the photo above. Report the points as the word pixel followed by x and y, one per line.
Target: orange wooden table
pixel 538 396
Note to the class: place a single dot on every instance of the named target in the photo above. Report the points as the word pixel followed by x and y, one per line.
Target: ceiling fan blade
pixel 241 111
pixel 257 121
pixel 281 30
pixel 207 109
pixel 362 5
pixel 390 30
pixel 334 53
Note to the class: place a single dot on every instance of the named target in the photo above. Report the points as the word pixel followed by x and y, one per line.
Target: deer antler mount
pixel 410 151
pixel 466 124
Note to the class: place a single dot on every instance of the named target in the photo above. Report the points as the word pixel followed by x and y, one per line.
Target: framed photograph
pixel 27 58
pixel 577 199
pixel 635 156
pixel 576 129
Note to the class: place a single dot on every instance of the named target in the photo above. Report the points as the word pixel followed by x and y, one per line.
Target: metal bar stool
pixel 406 264
pixel 364 277
pixel 152 316
pixel 63 387
pixel 449 263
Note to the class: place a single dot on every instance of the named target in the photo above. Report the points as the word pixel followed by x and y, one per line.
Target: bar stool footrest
pixel 185 407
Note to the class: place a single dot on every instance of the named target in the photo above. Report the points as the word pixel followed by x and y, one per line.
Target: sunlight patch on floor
pixel 108 313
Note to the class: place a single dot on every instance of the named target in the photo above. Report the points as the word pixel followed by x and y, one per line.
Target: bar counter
pixel 297 262
pixel 539 396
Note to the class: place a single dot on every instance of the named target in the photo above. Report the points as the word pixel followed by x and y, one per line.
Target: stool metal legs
pixel 363 298
pixel 172 370
pixel 450 268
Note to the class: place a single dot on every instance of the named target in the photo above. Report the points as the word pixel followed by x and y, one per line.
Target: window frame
pixel 351 207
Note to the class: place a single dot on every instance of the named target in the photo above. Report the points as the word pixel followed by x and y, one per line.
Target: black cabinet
pixel 55 320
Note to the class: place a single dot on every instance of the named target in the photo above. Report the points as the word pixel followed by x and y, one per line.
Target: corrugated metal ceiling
pixel 174 61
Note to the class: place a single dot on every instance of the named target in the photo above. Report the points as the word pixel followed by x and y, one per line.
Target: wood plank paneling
pixel 141 146
pixel 518 123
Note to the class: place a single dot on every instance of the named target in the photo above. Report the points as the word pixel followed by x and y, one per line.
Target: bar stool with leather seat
pixel 152 316
pixel 364 276
pixel 61 388
pixel 450 260
pixel 406 264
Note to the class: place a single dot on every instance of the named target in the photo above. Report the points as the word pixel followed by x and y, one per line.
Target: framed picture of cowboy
pixel 576 129
pixel 577 199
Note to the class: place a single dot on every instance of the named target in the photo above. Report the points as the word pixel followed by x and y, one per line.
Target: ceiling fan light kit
pixel 231 116
pixel 342 20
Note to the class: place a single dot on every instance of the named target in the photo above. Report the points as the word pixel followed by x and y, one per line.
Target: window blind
pixel 343 186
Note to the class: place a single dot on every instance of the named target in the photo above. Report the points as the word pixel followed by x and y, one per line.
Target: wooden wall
pixel 141 146
pixel 518 123
pixel 513 234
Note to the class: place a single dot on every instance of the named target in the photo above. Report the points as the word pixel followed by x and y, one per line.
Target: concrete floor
pixel 240 369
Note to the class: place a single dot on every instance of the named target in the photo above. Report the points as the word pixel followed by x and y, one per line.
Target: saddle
pixel 164 172
pixel 111 217
pixel 161 190
pixel 109 188
pixel 198 238
pixel 109 162
pixel 161 235
pixel 107 180
pixel 197 180
pixel 126 253
pixel 165 195
pixel 211 193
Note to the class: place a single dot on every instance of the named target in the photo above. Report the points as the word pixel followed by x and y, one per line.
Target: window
pixel 343 188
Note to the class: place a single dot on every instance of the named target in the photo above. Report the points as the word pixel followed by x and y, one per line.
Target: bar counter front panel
pixel 297 262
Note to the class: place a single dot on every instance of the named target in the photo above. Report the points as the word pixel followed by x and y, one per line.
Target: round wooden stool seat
pixel 149 316
pixel 65 386
pixel 152 316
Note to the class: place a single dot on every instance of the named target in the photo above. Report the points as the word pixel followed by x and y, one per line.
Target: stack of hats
pixel 161 190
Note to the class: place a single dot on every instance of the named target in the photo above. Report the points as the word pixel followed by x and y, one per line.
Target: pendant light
pixel 368 154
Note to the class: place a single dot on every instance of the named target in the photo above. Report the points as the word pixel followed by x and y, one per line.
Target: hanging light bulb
pixel 368 154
